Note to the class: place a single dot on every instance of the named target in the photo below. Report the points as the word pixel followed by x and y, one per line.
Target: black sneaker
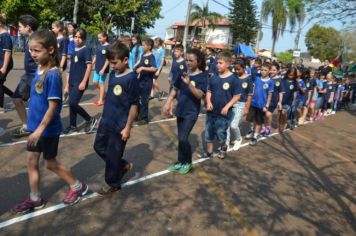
pixel 141 122
pixel 20 132
pixel 70 129
pixel 253 141
pixel 90 125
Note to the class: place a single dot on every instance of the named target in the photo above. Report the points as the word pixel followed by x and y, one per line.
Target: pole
pixel 187 24
pixel 132 24
pixel 259 32
pixel 75 11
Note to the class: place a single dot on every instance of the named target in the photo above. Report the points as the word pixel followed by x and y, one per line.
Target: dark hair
pixel 104 34
pixel 258 60
pixel 28 20
pixel 82 33
pixel 48 40
pixel 137 36
pixel 225 55
pixel 117 50
pixel 291 69
pixel 241 63
pixel 275 64
pixel 179 47
pixel 200 57
pixel 159 41
pixel 149 42
pixel 59 24
pixel 267 64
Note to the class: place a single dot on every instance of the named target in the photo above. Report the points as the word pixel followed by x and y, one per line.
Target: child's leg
pixel 238 117
pixel 232 126
pixel 74 98
pixel 34 172
pixel 184 126
pixel 54 166
pixel 209 134
pixel 145 90
pixel 101 93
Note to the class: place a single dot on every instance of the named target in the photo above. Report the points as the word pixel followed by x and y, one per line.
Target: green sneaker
pixel 175 167
pixel 185 169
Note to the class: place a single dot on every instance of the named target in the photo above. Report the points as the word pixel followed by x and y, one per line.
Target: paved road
pixel 298 183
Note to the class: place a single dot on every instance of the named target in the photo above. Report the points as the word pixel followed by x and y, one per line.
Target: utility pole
pixel 259 32
pixel 187 24
pixel 75 11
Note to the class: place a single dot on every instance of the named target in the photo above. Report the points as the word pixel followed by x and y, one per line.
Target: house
pixel 220 37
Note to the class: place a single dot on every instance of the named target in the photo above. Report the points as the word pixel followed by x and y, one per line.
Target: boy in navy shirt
pixel 261 100
pixel 120 110
pixel 210 62
pixel 289 98
pixel 145 68
pixel 27 25
pixel 223 92
pixel 6 62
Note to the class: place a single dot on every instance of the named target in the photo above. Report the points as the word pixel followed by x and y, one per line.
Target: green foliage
pixel 98 24
pixel 323 42
pixel 244 23
pixel 285 57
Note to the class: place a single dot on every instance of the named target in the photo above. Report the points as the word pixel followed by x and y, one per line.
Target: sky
pixel 175 10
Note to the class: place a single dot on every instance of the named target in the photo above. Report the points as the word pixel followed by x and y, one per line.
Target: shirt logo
pixel 291 87
pixel 226 86
pixel 117 90
pixel 207 68
pixel 39 87
pixel 278 84
pixel 330 87
pixel 265 86
pixel 75 59
pixel 244 85
pixel 146 62
pixel 193 83
pixel 58 45
pixel 181 67
pixel 103 51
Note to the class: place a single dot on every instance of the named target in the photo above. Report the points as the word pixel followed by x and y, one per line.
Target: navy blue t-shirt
pixel 177 70
pixel 222 91
pixel 255 72
pixel 5 46
pixel 290 87
pixel 100 56
pixel 122 93
pixel 329 89
pixel 147 61
pixel 211 66
pixel 263 87
pixel 51 89
pixel 278 88
pixel 30 64
pixel 79 60
pixel 188 105
pixel 301 85
pixel 246 87
pixel 62 48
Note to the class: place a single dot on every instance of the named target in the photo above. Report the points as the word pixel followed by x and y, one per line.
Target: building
pixel 219 37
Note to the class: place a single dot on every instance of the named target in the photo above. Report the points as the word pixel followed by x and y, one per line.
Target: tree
pixel 296 15
pixel 244 23
pixel 349 46
pixel 331 10
pixel 322 42
pixel 204 17
pixel 277 10
pixel 285 57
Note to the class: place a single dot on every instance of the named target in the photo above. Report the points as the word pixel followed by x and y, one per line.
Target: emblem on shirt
pixel 226 86
pixel 207 68
pixel 76 59
pixel 291 87
pixel 193 83
pixel 58 45
pixel 265 86
pixel 117 90
pixel 39 87
pixel 278 84
pixel 308 85
pixel 181 67
pixel 103 51
pixel 146 62
pixel 244 85
pixel 330 87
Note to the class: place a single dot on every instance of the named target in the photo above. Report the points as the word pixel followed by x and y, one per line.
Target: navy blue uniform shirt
pixel 100 57
pixel 177 70
pixel 278 88
pixel 62 48
pixel 5 46
pixel 290 87
pixel 246 87
pixel 79 60
pixel 147 61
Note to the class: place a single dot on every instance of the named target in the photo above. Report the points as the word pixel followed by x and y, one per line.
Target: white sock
pixel 35 196
pixel 76 186
pixel 24 126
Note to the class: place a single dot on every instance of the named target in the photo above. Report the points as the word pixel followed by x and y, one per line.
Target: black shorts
pixel 23 89
pixel 46 145
pixel 155 76
pixel 272 108
pixel 256 115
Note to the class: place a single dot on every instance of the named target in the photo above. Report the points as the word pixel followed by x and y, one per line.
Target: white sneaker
pixel 333 113
pixel 237 144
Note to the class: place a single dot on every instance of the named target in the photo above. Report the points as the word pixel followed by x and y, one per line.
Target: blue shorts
pixel 216 126
pixel 300 103
pixel 99 78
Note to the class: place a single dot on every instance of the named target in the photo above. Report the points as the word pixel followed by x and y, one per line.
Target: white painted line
pixel 92 195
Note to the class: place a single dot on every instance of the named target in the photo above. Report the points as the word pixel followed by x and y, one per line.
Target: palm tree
pixel 296 14
pixel 276 9
pixel 202 15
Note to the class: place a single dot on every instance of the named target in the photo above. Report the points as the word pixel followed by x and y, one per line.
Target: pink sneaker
pixel 28 205
pixel 73 196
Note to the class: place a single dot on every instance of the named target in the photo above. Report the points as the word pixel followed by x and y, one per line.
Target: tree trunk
pixel 273 46
pixel 75 11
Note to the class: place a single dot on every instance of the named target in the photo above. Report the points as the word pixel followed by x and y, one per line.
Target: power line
pixel 173 8
pixel 223 5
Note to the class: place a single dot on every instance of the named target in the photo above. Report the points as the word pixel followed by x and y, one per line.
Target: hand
pixel 264 109
pixel 2 71
pixel 307 103
pixel 157 73
pixel 33 139
pixel 139 70
pixel 166 109
pixel 225 110
pixel 82 86
pixel 186 79
pixel 209 106
pixel 66 89
pixel 279 106
pixel 246 111
pixel 125 133
pixel 330 100
pixel 101 73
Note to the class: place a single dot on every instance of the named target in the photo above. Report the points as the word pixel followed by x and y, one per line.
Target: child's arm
pixel 35 136
pixel 232 102
pixel 102 71
pixel 209 105
pixel 137 63
pixel 83 84
pixel 63 61
pixel 7 58
pixel 148 69
pixel 247 105
pixel 308 99
pixel 94 61
pixel 268 102
pixel 166 109
pixel 280 101
pixel 125 133
pixel 196 92
pixel 331 97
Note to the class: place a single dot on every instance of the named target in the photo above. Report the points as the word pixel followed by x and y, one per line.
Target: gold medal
pixel 117 90
pixel 226 86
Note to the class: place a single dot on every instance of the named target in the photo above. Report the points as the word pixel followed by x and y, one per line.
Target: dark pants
pixel 144 91
pixel 74 98
pixel 4 89
pixel 184 126
pixel 109 146
pixel 292 114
